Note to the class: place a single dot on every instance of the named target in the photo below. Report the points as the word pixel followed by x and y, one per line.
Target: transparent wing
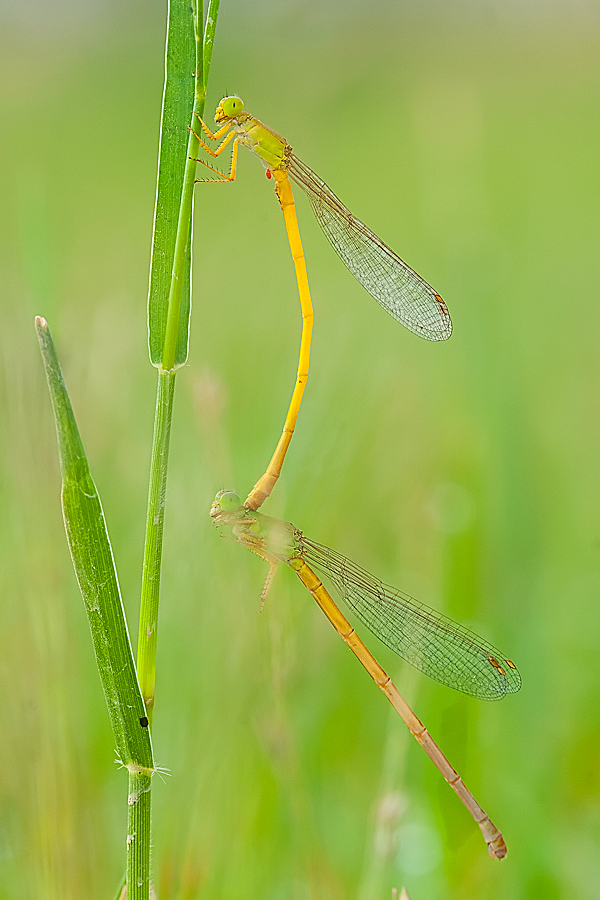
pixel 429 641
pixel 397 287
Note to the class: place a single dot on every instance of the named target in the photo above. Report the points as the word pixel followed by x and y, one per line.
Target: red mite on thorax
pixel 268 173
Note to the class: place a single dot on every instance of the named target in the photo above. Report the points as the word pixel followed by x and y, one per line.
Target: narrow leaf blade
pixel 178 102
pixel 94 566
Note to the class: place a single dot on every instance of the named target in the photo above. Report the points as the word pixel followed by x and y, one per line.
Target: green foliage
pixel 168 317
pixel 178 102
pixel 94 565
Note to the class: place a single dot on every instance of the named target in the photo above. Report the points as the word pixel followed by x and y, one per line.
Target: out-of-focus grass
pixel 465 473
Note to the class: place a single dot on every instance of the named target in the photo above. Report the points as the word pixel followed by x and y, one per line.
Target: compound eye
pixel 232 106
pixel 229 501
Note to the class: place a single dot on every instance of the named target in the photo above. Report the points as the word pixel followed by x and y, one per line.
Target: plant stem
pixel 166 384
pixel 138 836
pixel 173 354
pixel 146 661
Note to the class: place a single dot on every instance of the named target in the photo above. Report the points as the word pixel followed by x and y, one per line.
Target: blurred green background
pixel 467 135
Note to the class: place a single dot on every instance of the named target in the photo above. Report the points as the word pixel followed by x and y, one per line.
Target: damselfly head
pixel 228 108
pixel 224 507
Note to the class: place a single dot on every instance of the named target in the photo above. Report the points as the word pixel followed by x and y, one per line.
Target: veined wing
pixel 404 294
pixel 428 640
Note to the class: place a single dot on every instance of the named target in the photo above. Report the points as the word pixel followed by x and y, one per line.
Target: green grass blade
pixel 209 40
pixel 168 357
pixel 178 102
pixel 94 565
pixel 180 280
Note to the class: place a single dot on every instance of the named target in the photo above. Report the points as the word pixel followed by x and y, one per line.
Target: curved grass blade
pixel 94 566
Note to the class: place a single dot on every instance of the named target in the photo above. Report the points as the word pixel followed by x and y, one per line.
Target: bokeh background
pixel 467 135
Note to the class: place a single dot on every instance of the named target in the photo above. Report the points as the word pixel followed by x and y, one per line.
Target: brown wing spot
pixel 442 305
pixel 510 664
pixel 496 664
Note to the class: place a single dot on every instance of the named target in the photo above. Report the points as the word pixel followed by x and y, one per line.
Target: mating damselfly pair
pixel 433 643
